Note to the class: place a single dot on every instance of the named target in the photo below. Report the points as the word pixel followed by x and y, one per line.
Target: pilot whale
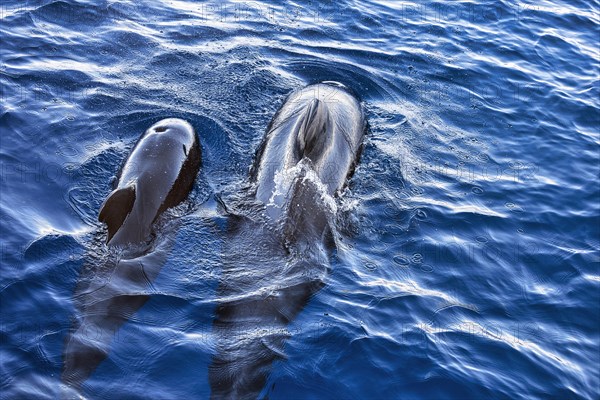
pixel 276 262
pixel 158 174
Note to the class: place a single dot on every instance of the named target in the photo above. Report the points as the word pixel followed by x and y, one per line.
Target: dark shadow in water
pixel 110 290
pixel 270 271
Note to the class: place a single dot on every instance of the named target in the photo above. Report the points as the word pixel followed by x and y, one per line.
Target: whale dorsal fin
pixel 116 208
pixel 312 130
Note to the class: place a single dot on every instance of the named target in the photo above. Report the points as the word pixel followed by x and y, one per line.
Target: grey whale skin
pixel 158 174
pixel 309 151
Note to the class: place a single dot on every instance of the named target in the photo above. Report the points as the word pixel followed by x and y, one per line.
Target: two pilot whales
pixel 271 266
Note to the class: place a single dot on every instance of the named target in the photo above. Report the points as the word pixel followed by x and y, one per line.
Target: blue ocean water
pixel 469 237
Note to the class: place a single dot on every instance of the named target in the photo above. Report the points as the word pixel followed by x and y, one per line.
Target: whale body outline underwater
pixel 307 155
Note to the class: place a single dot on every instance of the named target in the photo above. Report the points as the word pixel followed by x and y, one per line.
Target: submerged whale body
pixel 273 267
pixel 158 174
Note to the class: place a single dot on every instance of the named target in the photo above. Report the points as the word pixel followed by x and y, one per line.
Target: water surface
pixel 468 237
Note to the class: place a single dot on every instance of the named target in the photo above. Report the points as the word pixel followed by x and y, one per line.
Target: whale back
pixel 185 180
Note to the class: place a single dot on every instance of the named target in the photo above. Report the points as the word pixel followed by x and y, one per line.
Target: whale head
pixel 158 174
